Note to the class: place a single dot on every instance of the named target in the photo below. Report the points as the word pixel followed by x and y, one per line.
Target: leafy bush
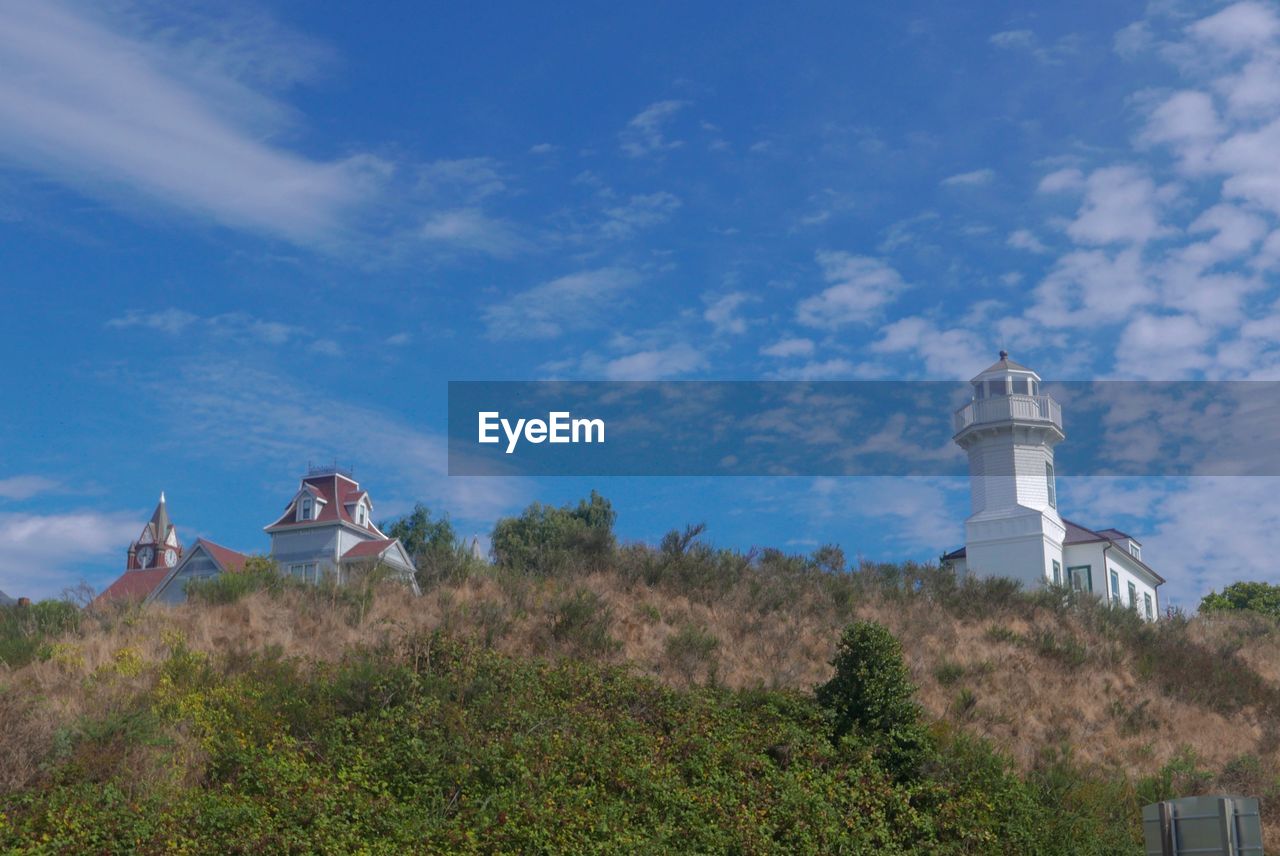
pixel 467 751
pixel 692 652
pixel 546 540
pixel 580 623
pixel 259 574
pixel 25 630
pixel 1258 597
pixel 438 553
pixel 871 698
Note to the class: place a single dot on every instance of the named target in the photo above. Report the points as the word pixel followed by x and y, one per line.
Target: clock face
pixel 145 555
pixel 170 557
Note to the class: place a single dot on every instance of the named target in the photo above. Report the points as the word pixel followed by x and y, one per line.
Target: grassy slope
pixel 1188 707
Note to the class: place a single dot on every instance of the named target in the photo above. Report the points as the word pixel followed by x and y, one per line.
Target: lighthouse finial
pixel 1004 355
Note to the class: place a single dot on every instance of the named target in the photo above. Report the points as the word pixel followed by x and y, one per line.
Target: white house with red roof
pixel 151 557
pixel 327 530
pixel 1009 430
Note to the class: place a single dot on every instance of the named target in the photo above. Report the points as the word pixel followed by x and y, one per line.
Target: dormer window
pixel 1135 550
pixel 306 508
pixel 362 514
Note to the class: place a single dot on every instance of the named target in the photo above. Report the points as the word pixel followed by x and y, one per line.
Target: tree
pixel 1254 596
pixel 544 539
pixel 432 543
pixel 871 698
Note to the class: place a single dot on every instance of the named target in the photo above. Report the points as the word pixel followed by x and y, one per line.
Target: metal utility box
pixel 1209 825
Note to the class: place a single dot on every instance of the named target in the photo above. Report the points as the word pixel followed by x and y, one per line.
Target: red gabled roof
pixel 228 560
pixel 369 549
pixel 133 585
pixel 336 491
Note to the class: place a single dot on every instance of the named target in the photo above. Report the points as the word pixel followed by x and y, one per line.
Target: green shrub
pixel 580 623
pixel 871 698
pixel 259 574
pixel 1258 597
pixel 439 555
pixel 691 651
pixel 545 540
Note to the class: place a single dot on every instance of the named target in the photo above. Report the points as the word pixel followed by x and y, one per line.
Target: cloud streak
pixel 118 117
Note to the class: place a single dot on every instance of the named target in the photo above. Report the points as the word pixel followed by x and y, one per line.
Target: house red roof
pixel 227 559
pixel 335 492
pixel 369 549
pixel 133 585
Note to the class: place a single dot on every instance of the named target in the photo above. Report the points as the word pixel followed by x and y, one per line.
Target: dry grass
pixel 1031 678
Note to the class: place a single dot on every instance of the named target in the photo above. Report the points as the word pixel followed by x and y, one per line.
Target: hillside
pixel 655 693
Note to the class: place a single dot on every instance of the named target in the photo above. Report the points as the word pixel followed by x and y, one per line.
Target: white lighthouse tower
pixel 1009 430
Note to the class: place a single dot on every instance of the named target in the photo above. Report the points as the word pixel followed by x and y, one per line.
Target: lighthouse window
pixel 996 387
pixel 1053 491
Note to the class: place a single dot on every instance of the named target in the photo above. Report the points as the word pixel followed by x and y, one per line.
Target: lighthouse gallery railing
pixel 1001 408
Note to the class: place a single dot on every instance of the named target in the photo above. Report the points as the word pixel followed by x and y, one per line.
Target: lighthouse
pixel 1009 429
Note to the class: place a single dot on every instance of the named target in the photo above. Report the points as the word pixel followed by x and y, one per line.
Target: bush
pixel 546 540
pixel 871 698
pixel 25 630
pixel 580 623
pixel 1254 596
pixel 691 651
pixel 438 554
pixel 259 574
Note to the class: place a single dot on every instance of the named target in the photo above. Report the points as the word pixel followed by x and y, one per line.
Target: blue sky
pixel 239 237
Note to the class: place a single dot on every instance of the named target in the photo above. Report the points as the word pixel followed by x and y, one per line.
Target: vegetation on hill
pixel 585 696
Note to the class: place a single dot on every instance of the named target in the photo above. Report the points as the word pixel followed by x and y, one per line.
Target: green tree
pixel 545 539
pixel 433 544
pixel 871 699
pixel 1258 597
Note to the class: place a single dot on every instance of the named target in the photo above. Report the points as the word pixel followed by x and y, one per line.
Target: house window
pixel 1048 480
pixel 360 514
pixel 306 572
pixel 304 513
pixel 1080 577
pixel 1146 601
pixel 1133 596
pixel 1135 550
pixel 1057 573
pixel 1115 588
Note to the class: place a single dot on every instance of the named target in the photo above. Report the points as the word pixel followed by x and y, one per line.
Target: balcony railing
pixel 1002 408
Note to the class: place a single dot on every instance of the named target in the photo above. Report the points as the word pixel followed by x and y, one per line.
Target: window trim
pixel 1051 488
pixel 1114 577
pixel 1057 572
pixel 1146 602
pixel 1088 570
pixel 306 508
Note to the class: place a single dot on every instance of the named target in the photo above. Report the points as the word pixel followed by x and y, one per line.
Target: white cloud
pixel 232 325
pixel 121 117
pixel 170 321
pixel 39 553
pixel 1240 27
pixel 573 302
pixel 946 354
pixel 639 212
pixel 1121 205
pixel 1014 39
pixel 784 348
pixel 860 287
pixel 723 313
pixel 1024 239
pixel 969 179
pixel 1088 287
pixel 470 229
pixel 1069 179
pixel 25 487
pixel 399 339
pixel 1164 347
pixel 656 364
pixel 465 180
pixel 644 134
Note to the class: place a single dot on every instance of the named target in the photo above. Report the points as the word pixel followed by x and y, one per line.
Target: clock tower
pixel 158 545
